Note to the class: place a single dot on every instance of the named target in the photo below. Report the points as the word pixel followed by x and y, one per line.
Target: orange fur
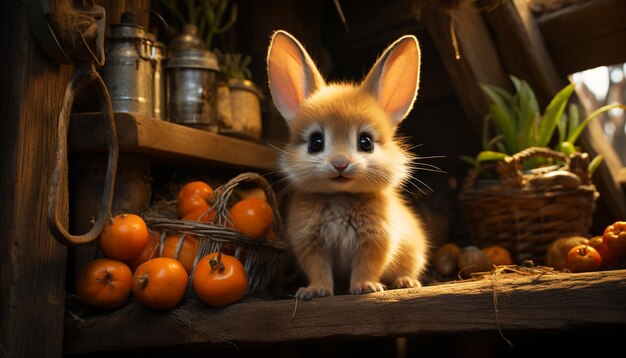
pixel 346 220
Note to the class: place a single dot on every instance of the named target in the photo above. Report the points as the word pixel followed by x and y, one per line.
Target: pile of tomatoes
pixel 138 262
pixel 580 254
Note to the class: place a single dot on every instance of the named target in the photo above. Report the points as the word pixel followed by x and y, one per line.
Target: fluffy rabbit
pixel 346 221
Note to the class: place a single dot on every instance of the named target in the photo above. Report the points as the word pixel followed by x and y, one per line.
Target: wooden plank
pixel 478 63
pixel 537 301
pixel 32 263
pixel 586 35
pixel 160 139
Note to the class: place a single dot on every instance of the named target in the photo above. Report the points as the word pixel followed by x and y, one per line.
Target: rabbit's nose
pixel 340 164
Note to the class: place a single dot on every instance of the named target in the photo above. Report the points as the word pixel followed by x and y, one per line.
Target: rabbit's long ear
pixel 292 74
pixel 394 78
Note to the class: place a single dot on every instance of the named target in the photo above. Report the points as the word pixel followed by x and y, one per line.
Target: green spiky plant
pixel 234 66
pixel 519 124
pixel 207 15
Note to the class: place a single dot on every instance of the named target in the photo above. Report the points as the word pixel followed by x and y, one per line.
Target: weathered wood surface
pixel 32 263
pixel 161 139
pixel 522 48
pixel 478 64
pixel 547 302
pixel 586 35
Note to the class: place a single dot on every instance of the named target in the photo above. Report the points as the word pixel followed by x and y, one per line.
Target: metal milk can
pixel 158 54
pixel 191 82
pixel 128 70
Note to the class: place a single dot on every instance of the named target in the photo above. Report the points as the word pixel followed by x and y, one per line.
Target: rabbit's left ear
pixel 394 78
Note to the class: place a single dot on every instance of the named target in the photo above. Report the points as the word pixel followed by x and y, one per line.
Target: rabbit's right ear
pixel 292 74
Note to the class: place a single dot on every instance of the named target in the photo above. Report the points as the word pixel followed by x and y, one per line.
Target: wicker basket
pixel 526 211
pixel 262 259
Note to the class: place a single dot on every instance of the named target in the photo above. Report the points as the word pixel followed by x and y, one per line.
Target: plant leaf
pixel 567 148
pixel 573 119
pixel 594 164
pixel 500 97
pixel 527 116
pixel 489 156
pixel 578 131
pixel 553 114
pixel 505 125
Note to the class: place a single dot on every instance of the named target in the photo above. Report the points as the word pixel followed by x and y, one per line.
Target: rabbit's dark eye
pixel 366 144
pixel 316 142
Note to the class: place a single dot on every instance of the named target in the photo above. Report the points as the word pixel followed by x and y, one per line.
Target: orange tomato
pixel 614 239
pixel 220 279
pixel 583 258
pixel 160 283
pixel 195 188
pixel 104 283
pixel 252 217
pixel 149 252
pixel 193 196
pixel 499 255
pixel 188 249
pixel 201 215
pixel 124 236
pixel 607 258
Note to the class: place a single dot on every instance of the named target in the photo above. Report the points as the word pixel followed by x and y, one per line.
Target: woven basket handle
pixel 222 195
pixel 510 168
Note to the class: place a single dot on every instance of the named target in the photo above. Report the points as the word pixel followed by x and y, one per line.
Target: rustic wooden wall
pixel 32 263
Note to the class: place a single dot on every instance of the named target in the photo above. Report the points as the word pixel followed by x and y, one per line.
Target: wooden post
pixel 32 262
pixel 478 63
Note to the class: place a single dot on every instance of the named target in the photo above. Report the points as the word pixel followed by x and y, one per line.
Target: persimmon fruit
pixel 104 283
pixel 220 279
pixel 123 237
pixel 252 216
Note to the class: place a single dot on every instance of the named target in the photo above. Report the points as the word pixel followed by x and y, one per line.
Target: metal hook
pixel 58 187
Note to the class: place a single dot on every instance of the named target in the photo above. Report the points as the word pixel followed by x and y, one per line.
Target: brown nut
pixel 556 254
pixel 471 260
pixel 445 259
pixel 498 255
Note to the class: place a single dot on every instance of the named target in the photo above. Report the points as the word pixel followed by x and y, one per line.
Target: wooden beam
pixel 586 35
pixel 524 302
pixel 521 48
pixel 479 62
pixel 32 263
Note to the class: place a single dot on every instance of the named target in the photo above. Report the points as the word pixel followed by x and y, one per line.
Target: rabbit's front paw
pixel 366 287
pixel 406 282
pixel 307 293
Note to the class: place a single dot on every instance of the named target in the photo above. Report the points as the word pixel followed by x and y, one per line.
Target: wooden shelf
pixel 551 301
pixel 165 140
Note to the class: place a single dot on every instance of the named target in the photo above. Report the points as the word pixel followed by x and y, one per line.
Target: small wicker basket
pixel 526 211
pixel 262 259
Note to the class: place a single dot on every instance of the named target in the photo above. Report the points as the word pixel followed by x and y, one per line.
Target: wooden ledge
pixel 551 301
pixel 164 140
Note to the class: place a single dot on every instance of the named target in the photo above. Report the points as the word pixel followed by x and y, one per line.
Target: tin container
pixel 192 82
pixel 128 71
pixel 158 54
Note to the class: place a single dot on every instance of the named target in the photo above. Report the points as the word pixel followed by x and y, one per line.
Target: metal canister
pixel 128 70
pixel 191 82
pixel 158 54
